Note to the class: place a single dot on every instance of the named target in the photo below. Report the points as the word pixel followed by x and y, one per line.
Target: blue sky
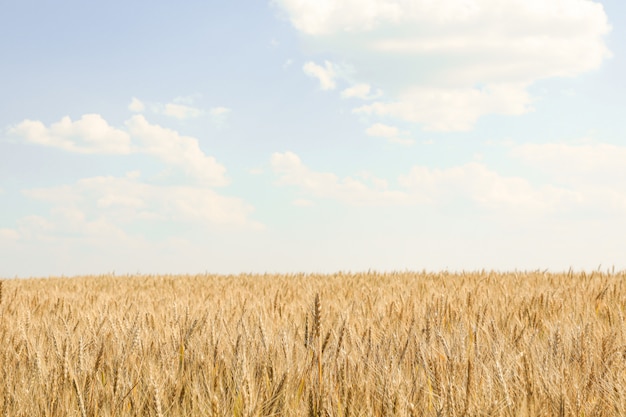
pixel 299 135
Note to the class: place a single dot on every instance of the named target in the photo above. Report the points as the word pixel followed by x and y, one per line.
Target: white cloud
pixel 91 134
pixel 361 91
pixel 292 171
pixel 429 56
pixel 181 151
pixel 452 109
pixel 485 187
pixel 219 115
pixel 9 234
pixel 219 111
pixel 118 201
pixel 166 228
pixel 575 162
pixel 70 225
pixel 326 75
pixel 31 227
pixel 595 170
pixel 136 105
pixel 382 130
pixel 422 185
pixel 302 202
pixel 181 111
pixel 391 133
pixel 181 108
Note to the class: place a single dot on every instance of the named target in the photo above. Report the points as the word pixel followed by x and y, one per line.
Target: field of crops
pixel 396 344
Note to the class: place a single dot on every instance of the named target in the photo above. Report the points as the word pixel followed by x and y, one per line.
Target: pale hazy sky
pixel 311 135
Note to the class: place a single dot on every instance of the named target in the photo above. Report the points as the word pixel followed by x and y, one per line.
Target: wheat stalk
pixel 79 396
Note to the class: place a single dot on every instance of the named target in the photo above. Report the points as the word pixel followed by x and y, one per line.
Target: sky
pixel 311 136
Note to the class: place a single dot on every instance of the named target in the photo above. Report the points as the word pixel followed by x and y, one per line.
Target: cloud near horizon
pixel 127 199
pixel 115 209
pixel 478 183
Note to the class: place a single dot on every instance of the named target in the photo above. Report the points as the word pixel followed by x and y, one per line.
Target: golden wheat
pixel 372 344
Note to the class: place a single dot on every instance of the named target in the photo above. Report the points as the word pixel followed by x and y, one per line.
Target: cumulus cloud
pixel 176 150
pixel 430 57
pixel 423 185
pixel 117 201
pixel 325 74
pixel 391 133
pixel 582 176
pixel 136 105
pixel 91 134
pixel 291 171
pixel 109 211
pixel 65 222
pixel 452 109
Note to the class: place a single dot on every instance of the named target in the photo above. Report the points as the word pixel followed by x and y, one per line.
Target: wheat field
pixel 367 344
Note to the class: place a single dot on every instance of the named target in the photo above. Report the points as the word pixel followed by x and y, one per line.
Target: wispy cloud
pixel 325 74
pixel 181 108
pixel 362 91
pixel 391 133
pixel 181 111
